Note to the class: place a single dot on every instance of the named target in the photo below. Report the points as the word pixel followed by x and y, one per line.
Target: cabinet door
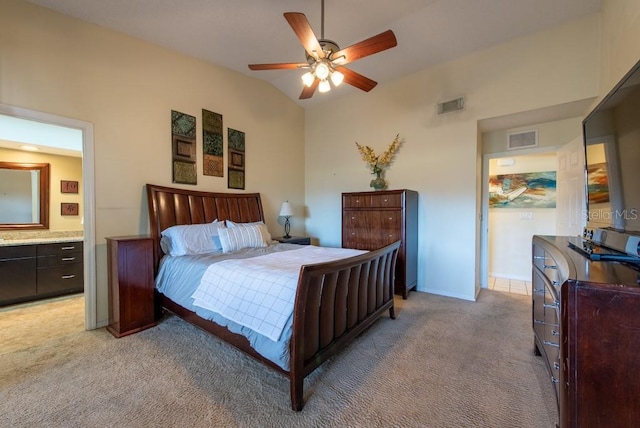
pixel 18 279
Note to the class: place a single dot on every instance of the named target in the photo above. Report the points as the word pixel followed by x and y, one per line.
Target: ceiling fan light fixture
pixel 322 70
pixel 308 78
pixel 324 86
pixel 337 77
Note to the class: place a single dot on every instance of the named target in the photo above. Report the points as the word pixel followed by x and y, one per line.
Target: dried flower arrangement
pixel 378 162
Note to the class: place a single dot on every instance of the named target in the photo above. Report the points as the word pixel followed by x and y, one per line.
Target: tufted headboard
pixel 170 206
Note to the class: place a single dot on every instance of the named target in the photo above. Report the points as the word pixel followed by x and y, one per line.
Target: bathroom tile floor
pixel 507 285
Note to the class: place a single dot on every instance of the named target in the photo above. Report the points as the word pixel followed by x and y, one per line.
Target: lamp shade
pixel 285 210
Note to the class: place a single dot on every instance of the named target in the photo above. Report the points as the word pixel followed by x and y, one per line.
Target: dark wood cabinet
pixel 131 285
pixel 371 220
pixel 18 272
pixel 586 325
pixel 60 268
pixel 38 271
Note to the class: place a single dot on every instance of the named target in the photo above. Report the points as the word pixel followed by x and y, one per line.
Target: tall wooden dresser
pixel 371 220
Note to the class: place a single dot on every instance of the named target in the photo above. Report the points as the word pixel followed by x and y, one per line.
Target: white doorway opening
pixel 88 177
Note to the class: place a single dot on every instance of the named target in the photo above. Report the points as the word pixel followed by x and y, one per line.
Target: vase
pixel 378 183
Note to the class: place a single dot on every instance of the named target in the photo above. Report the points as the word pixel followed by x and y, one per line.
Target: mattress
pixel 178 278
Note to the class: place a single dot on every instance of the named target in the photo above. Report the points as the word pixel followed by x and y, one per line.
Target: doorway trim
pixel 88 194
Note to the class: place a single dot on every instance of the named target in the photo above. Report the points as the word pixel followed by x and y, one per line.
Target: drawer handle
pixel 538 290
pixel 68 276
pixel 68 259
pixel 556 366
pixel 551 306
pixel 554 333
pixel 556 283
pixel 554 380
pixel 550 267
pixel 555 345
pixel 68 248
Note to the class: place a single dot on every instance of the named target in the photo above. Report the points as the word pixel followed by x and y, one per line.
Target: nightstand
pixel 131 285
pixel 300 240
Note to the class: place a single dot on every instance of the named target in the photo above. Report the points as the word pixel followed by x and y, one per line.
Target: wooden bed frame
pixel 334 302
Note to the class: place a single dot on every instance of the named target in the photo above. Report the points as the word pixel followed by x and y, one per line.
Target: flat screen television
pixel 611 135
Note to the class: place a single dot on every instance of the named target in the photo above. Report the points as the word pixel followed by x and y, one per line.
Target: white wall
pixel 620 43
pixel 440 156
pixel 127 88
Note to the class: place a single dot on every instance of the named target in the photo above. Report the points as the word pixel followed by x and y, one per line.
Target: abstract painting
pixel 523 190
pixel 598 183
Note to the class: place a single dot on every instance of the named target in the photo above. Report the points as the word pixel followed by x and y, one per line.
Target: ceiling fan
pixel 326 61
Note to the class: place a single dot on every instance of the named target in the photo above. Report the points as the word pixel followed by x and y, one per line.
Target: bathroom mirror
pixel 24 196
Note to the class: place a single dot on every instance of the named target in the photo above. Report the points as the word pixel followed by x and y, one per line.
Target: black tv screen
pixel 612 150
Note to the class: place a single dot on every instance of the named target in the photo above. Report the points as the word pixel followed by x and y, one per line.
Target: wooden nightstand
pixel 131 286
pixel 300 240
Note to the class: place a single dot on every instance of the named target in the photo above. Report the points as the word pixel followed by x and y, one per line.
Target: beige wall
pixel 61 168
pixel 620 41
pixel 127 88
pixel 440 158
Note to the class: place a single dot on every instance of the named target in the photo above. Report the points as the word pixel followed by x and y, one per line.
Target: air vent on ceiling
pixel 522 140
pixel 449 106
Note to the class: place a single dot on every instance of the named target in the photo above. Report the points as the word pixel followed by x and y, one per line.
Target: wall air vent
pixel 522 140
pixel 449 106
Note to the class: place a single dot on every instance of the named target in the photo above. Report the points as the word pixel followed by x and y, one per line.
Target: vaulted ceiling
pixel 235 33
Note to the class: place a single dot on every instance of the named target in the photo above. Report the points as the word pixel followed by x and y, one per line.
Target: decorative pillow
pixel 237 238
pixel 186 239
pixel 263 228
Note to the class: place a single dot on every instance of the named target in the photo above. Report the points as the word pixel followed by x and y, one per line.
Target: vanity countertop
pixel 8 239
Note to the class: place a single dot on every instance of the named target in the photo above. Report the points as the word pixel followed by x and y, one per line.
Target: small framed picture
pixel 68 186
pixel 69 208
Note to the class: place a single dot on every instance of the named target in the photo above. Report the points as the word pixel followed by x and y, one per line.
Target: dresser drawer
pixel 59 260
pixel 392 200
pixel 17 252
pixel 59 248
pixel 60 279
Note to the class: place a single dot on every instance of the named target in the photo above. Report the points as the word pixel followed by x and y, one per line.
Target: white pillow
pixel 237 238
pixel 186 239
pixel 263 228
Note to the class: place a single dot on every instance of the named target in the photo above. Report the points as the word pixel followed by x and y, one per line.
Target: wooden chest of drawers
pixel 371 220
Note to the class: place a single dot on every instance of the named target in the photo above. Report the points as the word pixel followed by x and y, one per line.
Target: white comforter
pixel 259 292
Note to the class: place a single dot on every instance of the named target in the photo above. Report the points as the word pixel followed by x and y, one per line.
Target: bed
pixel 333 301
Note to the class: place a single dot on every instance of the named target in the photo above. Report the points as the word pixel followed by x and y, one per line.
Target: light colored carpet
pixel 442 363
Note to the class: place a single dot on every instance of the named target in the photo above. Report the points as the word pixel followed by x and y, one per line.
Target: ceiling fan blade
pixel 278 66
pixel 302 28
pixel 375 44
pixel 308 91
pixel 357 79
